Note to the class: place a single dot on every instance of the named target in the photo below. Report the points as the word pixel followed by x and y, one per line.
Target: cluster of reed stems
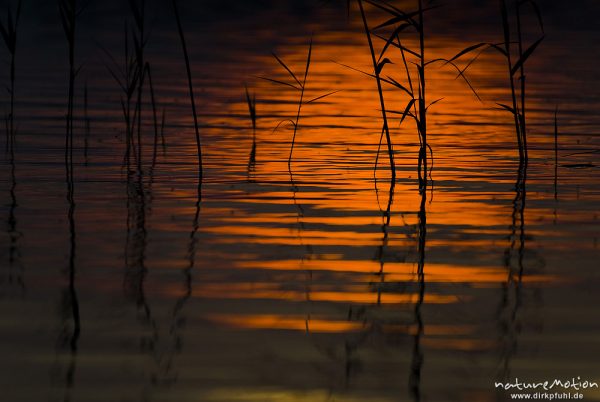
pixel 516 70
pixel 402 23
pixel 127 77
pixel 398 25
pixel 131 78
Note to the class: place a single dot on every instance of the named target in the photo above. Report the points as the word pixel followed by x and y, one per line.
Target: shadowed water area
pixel 321 282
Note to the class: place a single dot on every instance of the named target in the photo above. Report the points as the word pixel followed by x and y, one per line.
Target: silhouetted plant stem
pixel 128 78
pixel 518 98
pixel 417 106
pixel 556 153
pixel 162 132
pixel 9 35
pixel 522 81
pixel 12 100
pixel 422 124
pixel 515 108
pixel 69 17
pixel 154 116
pixel 87 123
pixel 139 39
pixel 69 12
pixel 190 86
pixel 303 87
pixel 251 101
pixel 300 86
pixel 376 68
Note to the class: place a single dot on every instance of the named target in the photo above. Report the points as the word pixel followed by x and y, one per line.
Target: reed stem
pixel 422 124
pixel 506 29
pixel 522 80
pixel 190 86
pixel 379 91
pixel 300 106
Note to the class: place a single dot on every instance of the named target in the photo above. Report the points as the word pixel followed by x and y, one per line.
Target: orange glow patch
pixel 351 295
pixel 278 322
pixel 467 345
pixel 400 272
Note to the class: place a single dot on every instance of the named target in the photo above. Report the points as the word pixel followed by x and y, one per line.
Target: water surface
pixel 301 286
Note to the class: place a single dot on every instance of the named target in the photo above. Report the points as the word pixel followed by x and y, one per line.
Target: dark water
pixel 315 286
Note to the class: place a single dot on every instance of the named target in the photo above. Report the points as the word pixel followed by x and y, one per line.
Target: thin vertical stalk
pixel 87 123
pixel 9 35
pixel 68 13
pixel 300 105
pixel 153 100
pixel 380 92
pixel 140 43
pixel 515 111
pixel 251 101
pixel 556 153
pixel 190 86
pixel 422 126
pixel 522 79
pixel 12 100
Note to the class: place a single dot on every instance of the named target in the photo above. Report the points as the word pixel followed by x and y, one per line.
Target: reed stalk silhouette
pixel 157 131
pixel 9 35
pixel 138 9
pixel 299 86
pixel 378 67
pixel 139 200
pixel 556 153
pixel 131 79
pixel 128 76
pixel 190 87
pixel 87 123
pixel 69 12
pixel 518 92
pixel 251 101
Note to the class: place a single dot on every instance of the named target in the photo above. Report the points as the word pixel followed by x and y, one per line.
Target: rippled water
pixel 305 286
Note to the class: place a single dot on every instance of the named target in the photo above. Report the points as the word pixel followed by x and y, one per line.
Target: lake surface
pixel 317 283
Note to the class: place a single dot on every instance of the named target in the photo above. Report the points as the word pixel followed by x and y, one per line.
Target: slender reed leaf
pixel 321 97
pixel 280 83
pixel 287 69
pixel 525 56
